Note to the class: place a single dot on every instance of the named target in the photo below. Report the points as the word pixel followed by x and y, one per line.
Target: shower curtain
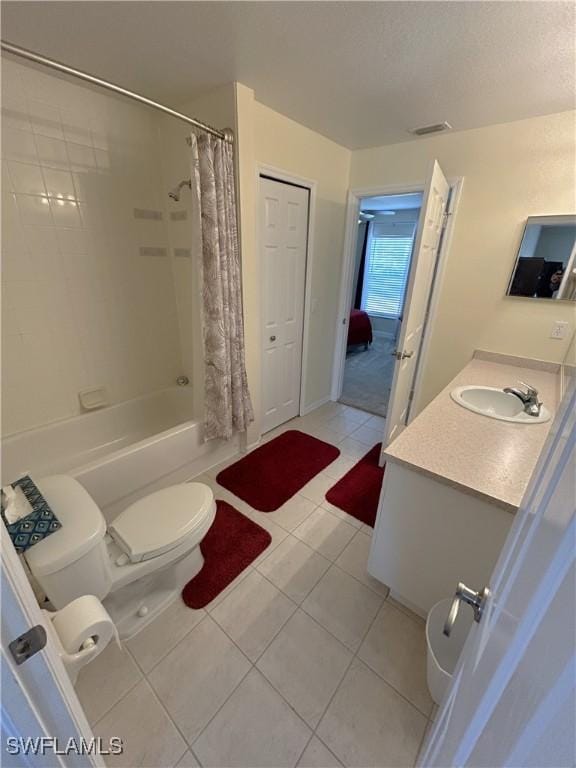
pixel 227 400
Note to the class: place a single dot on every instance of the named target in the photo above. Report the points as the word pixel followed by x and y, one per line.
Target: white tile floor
pixel 303 661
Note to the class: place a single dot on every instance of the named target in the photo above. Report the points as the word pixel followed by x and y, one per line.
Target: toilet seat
pixel 151 551
pixel 162 521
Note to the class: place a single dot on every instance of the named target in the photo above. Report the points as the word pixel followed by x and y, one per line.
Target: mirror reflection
pixel 545 267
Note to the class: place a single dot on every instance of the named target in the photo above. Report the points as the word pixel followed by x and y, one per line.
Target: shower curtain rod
pixel 24 53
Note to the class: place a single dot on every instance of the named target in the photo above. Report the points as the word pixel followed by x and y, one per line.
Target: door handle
pixel 466 595
pixel 401 355
pixel 272 338
pixel 28 644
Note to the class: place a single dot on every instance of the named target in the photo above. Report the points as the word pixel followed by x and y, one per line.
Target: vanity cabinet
pixel 429 536
pixel 453 482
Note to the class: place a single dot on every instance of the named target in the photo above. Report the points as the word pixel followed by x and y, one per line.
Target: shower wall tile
pixel 34 210
pixel 18 144
pixel 59 183
pixel 6 180
pixel 154 252
pixel 40 241
pixel 144 213
pixel 76 125
pixel 51 152
pixel 72 241
pixel 45 119
pixel 79 302
pixel 65 213
pixel 175 167
pixel 26 178
pixel 82 158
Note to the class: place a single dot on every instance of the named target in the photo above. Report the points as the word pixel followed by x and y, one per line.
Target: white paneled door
pixel 418 290
pixel 283 224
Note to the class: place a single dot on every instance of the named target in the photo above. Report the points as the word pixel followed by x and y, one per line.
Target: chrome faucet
pixel 529 398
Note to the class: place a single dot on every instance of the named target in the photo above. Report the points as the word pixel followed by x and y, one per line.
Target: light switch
pixel 559 329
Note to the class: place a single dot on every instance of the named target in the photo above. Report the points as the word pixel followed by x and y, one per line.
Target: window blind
pixel 387 264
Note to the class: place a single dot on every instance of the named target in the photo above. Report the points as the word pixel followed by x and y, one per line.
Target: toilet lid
pixel 161 521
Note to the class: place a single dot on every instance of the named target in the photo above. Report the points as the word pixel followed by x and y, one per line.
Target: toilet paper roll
pixel 82 619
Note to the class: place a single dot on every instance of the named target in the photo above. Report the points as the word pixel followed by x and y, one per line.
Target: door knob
pixel 272 338
pixel 401 355
pixel 466 595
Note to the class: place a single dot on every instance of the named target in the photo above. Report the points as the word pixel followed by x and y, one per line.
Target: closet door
pixel 283 225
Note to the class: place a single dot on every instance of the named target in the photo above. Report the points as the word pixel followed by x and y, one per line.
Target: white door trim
pixel 280 175
pixel 352 211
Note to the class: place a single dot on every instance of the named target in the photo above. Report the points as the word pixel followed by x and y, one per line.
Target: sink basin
pixel 496 404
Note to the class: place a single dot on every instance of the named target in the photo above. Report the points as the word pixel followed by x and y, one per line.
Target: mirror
pixel 545 267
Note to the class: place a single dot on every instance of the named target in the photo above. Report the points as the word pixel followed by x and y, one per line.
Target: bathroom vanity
pixel 454 479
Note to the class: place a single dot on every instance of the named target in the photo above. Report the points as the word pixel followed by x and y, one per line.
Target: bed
pixel 359 328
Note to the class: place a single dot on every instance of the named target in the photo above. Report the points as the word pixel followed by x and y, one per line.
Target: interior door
pixel 428 237
pixel 512 701
pixel 283 243
pixel 38 700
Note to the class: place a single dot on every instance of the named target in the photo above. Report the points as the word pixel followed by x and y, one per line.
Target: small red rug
pixel 267 477
pixel 231 544
pixel 357 493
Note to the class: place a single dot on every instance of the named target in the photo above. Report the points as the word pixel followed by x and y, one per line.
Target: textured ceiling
pixel 361 73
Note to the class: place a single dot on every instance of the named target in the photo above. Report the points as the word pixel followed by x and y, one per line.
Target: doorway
pixel 419 290
pixel 283 240
pixel 384 246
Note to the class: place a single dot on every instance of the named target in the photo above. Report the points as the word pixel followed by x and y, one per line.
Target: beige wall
pixel 511 171
pixel 268 138
pixel 246 183
pixel 288 146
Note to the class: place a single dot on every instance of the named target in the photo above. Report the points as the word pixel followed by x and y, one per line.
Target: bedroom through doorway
pixel 385 240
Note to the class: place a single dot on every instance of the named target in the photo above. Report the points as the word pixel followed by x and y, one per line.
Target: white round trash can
pixel 443 652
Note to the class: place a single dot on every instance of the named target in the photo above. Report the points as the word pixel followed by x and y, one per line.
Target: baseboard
pixel 407 604
pixel 312 407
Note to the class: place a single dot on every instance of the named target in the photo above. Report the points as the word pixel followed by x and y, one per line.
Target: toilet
pixel 136 566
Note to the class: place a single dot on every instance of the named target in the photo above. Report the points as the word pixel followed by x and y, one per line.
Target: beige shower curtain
pixel 227 400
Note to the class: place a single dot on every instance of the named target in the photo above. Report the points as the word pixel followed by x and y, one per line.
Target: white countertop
pixel 479 455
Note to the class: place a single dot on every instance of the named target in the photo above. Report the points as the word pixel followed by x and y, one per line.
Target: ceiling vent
pixel 426 129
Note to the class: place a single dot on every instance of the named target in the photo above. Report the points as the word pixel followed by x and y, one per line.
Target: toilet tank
pixel 73 561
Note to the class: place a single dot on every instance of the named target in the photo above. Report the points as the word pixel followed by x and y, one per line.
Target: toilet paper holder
pixel 80 632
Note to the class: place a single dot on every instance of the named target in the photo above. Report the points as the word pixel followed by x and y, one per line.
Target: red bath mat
pixel 267 477
pixel 357 493
pixel 232 543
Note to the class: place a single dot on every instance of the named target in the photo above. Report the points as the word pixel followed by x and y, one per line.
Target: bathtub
pixel 122 452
